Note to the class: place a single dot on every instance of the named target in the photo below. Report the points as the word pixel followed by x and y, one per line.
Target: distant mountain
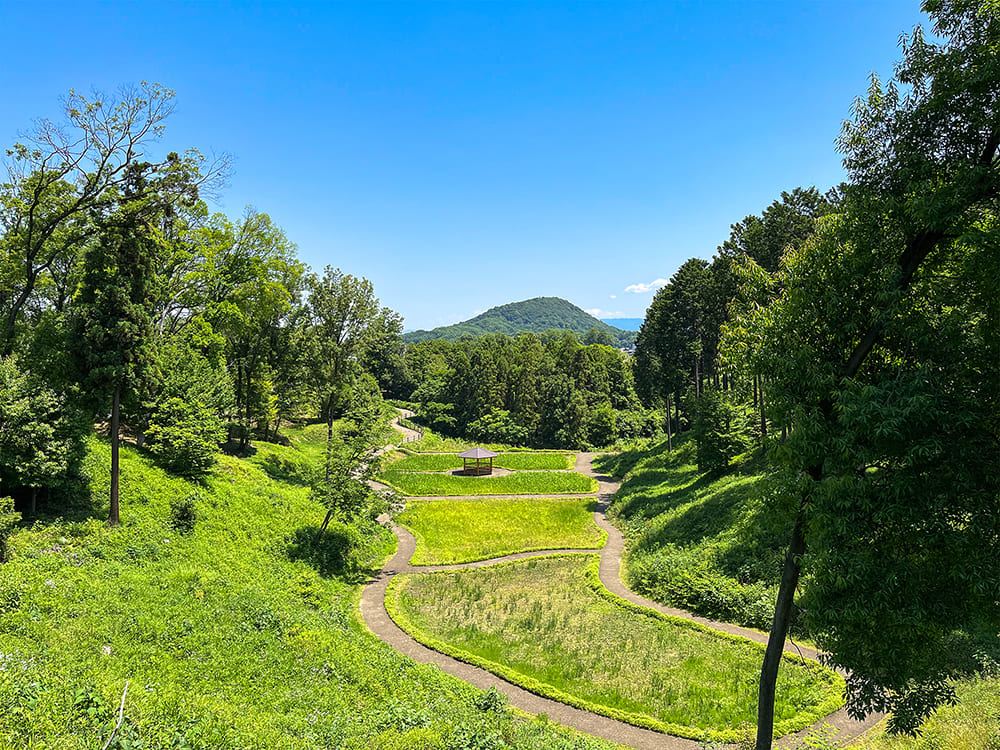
pixel 626 324
pixel 530 316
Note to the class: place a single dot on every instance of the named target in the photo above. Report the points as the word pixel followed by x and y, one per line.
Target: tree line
pixel 543 390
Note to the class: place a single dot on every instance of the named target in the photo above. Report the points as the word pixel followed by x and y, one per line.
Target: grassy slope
pixel 546 625
pixel 523 483
pixel 706 544
pixel 240 634
pixel 452 531
pixel 709 544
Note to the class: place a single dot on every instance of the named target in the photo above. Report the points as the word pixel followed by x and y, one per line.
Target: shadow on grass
pixel 332 554
pixel 709 517
pixel 282 469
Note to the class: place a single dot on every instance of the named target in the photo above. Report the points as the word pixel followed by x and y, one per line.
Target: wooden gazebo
pixel 477 462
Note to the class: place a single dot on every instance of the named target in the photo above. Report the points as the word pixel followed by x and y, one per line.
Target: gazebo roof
pixel 477 453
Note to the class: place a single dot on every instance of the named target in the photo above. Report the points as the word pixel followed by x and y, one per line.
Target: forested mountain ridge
pixel 535 315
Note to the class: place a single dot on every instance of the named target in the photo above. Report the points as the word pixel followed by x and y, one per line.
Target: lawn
pixel 452 531
pixel 514 461
pixel 241 633
pixel 522 483
pixel 547 624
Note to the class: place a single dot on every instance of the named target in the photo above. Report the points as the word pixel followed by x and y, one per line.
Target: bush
pixel 685 579
pixel 184 437
pixel 184 512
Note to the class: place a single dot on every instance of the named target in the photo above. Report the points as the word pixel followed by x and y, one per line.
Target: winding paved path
pixel 378 621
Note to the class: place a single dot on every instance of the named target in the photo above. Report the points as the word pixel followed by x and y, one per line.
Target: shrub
pixel 183 512
pixel 184 437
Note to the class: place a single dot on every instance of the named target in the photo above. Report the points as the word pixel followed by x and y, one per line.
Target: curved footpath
pixel 378 621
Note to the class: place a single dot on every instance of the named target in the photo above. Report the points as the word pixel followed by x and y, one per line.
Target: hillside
pixel 530 316
pixel 237 629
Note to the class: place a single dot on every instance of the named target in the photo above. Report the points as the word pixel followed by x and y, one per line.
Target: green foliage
pixel 879 350
pixel 497 427
pixel 602 428
pixel 537 315
pixel 708 543
pixel 521 483
pixel 451 531
pixel 613 657
pixel 545 391
pixel 350 461
pixel 188 394
pixel 40 431
pixel 184 511
pixel 184 436
pixel 720 430
pixel 9 518
pixel 973 723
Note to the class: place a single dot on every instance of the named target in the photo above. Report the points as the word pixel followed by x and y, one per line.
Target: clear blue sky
pixel 464 155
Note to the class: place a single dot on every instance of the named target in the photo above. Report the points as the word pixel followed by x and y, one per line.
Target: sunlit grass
pixel 522 483
pixel 519 461
pixel 544 623
pixel 451 531
pixel 243 633
pixel 972 724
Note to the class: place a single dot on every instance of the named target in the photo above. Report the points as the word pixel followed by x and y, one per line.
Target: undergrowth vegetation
pixel 453 531
pixel 232 625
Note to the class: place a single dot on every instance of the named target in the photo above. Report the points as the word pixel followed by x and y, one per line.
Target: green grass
pixel 523 483
pixel 972 724
pixel 512 461
pixel 711 544
pixel 548 624
pixel 242 633
pixel 452 531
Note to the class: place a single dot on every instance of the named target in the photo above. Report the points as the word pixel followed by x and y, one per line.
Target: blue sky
pixel 464 155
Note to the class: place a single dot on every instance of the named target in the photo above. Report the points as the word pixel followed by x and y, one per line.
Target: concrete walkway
pixel 378 621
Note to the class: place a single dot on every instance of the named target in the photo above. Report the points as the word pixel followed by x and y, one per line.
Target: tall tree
pixel 112 325
pixel 884 352
pixel 62 175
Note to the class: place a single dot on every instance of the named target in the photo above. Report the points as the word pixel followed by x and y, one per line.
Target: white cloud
pixel 646 288
pixel 614 296
pixel 598 313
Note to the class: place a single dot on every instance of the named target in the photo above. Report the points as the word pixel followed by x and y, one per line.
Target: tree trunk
pixel 779 630
pixel 326 522
pixel 113 519
pixel 670 444
pixel 34 502
pixel 677 414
